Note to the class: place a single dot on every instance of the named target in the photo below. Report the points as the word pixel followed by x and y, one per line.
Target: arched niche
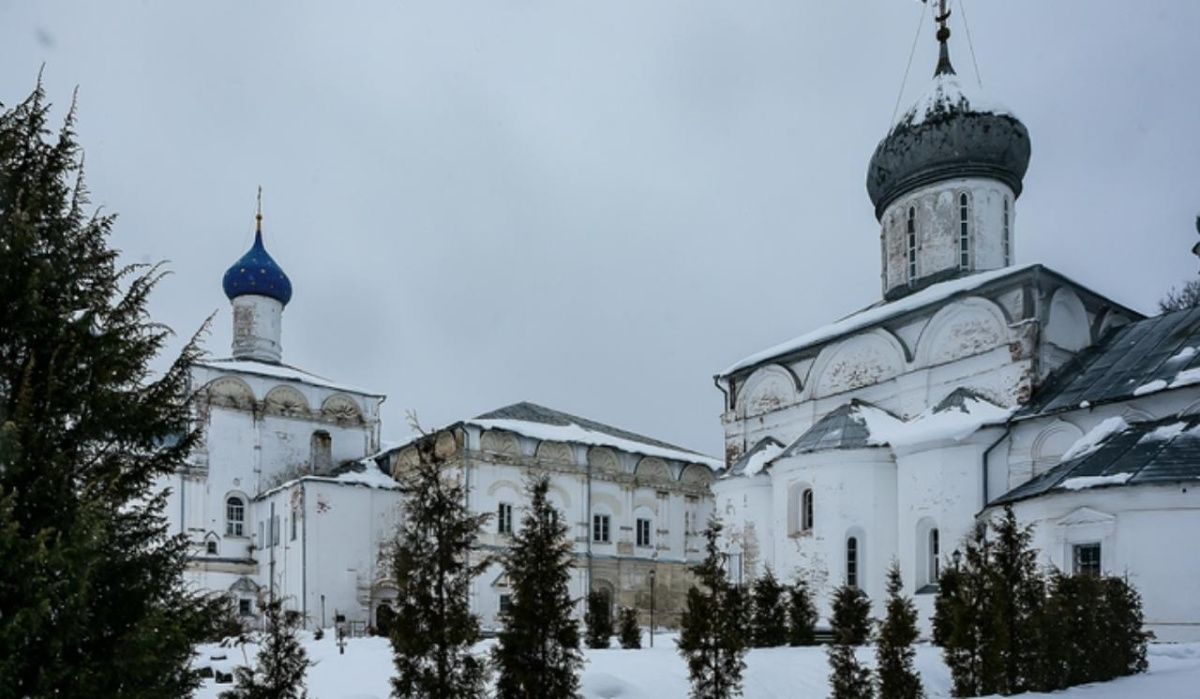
pixel 1067 325
pixel 500 442
pixel 653 470
pixel 230 392
pixel 286 401
pixel 695 474
pixel 1111 319
pixel 607 504
pixel 341 409
pixel 964 328
pixel 862 360
pixel 445 445
pixel 559 452
pixel 408 457
pixel 1051 443
pixel 768 388
pixel 604 460
pixel 511 488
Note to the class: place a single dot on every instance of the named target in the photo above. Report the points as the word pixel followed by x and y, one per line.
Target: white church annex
pixel 972 384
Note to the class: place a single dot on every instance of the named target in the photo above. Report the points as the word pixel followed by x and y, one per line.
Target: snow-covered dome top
pixel 257 273
pixel 947 133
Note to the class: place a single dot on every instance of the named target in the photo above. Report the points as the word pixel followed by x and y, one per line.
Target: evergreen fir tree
pixel 852 615
pixel 770 616
pixel 597 618
pixel 538 650
pixel 849 678
pixel 802 616
pixel 713 636
pixel 433 562
pixel 281 664
pixel 898 678
pixel 850 623
pixel 630 633
pixel 91 583
pixel 1017 596
pixel 1126 632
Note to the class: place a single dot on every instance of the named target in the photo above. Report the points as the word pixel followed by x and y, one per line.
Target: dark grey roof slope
pixel 739 466
pixel 1164 451
pixel 844 428
pixel 532 412
pixel 1126 359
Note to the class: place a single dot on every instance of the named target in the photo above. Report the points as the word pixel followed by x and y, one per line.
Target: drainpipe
pixel 987 453
pixel 303 551
pixel 588 526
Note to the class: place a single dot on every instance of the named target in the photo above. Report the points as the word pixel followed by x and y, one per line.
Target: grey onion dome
pixel 945 135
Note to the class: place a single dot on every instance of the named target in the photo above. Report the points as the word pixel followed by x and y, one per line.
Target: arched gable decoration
pixel 861 360
pixel 653 470
pixel 768 388
pixel 342 409
pixel 1067 326
pixel 230 392
pixel 695 474
pixel 500 442
pixel 604 459
pixel 286 401
pixel 556 451
pixel 964 328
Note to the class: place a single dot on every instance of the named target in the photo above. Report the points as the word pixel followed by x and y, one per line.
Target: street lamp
pixel 652 578
pixel 957 558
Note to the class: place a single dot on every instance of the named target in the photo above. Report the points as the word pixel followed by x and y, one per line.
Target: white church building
pixel 973 383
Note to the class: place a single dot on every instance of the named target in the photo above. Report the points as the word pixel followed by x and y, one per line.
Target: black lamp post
pixel 957 558
pixel 652 578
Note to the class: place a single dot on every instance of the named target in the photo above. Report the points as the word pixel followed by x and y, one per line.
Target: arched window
pixel 912 244
pixel 1007 236
pixel 964 231
pixel 799 502
pixel 235 516
pixel 806 510
pixel 852 561
pixel 934 565
pixel 322 451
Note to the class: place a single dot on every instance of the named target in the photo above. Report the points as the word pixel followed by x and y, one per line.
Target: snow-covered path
pixel 659 673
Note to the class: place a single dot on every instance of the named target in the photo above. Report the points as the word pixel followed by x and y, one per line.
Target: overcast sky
pixel 591 205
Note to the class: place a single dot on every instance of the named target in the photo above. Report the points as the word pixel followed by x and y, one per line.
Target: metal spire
pixel 258 214
pixel 943 36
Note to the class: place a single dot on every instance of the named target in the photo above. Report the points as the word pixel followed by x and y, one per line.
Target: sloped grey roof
pixel 844 428
pixel 532 412
pixel 738 467
pixel 1135 359
pixel 1163 451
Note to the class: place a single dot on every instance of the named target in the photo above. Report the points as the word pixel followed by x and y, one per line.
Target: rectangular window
pixel 244 607
pixel 212 547
pixel 1007 239
pixel 505 603
pixel 643 532
pixel 504 519
pixel 1087 559
pixel 600 528
pixel 275 531
pixel 852 562
pixel 964 232
pixel 293 526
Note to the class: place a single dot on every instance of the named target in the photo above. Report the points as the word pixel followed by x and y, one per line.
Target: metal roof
pixel 739 466
pixel 1145 453
pixel 844 428
pixel 1135 359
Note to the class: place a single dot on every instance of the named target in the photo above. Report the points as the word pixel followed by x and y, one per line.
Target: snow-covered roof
pixel 1138 359
pixel 872 315
pixel 542 423
pixel 756 459
pixel 280 371
pixel 1116 453
pixel 855 425
pixel 947 94
pixel 364 473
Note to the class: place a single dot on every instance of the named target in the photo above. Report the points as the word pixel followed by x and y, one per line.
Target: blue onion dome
pixel 947 134
pixel 257 273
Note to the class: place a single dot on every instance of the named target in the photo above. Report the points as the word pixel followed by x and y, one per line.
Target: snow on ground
pixel 659 673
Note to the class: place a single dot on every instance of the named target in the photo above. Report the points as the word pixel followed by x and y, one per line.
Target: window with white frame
pixel 504 518
pixel 600 528
pixel 643 532
pixel 235 516
pixel 912 244
pixel 1087 559
pixel 964 231
pixel 211 547
pixel 852 561
pixel 245 607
